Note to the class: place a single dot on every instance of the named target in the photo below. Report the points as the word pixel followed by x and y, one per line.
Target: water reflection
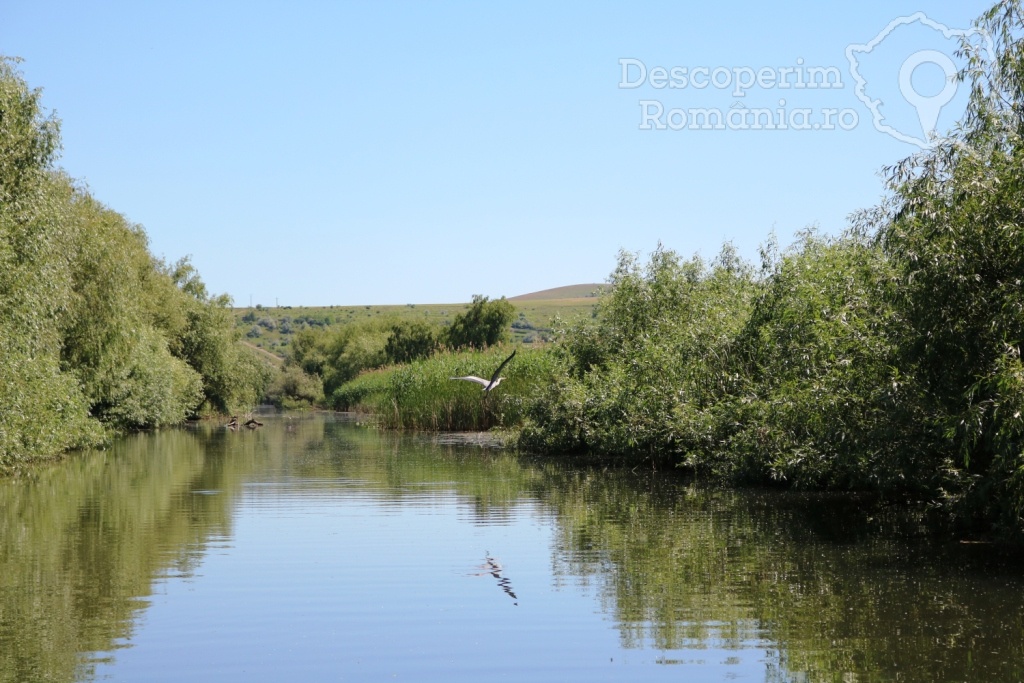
pixel 492 567
pixel 352 539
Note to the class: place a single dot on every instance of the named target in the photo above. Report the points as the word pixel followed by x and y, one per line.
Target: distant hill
pixel 567 292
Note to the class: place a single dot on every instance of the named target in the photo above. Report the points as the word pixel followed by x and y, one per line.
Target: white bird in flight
pixel 494 381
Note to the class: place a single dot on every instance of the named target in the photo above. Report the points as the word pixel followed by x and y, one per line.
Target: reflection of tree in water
pixel 822 582
pixel 828 583
pixel 82 541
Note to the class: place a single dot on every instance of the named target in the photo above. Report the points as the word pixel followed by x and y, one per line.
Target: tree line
pixel 96 334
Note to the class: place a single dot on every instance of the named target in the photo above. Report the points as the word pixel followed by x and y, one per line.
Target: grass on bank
pixel 421 395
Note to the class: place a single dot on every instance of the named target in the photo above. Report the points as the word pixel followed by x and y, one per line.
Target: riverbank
pixel 97 335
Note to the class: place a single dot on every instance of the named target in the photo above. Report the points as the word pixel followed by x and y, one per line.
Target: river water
pixel 317 549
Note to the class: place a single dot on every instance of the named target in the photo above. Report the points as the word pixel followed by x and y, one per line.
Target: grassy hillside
pixel 562 293
pixel 272 328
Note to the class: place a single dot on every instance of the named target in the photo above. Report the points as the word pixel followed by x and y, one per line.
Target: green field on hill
pixel 272 328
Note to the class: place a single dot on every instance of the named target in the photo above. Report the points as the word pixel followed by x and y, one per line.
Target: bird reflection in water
pixel 493 568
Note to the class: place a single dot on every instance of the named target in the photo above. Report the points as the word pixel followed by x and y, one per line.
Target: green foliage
pixel 484 324
pixel 29 141
pixel 95 334
pixel 110 327
pixel 955 226
pixel 660 341
pixel 339 354
pixel 817 399
pixel 293 388
pixel 308 350
pixel 790 374
pixel 44 410
pixel 421 395
pixel 410 341
pixel 233 378
pixel 354 349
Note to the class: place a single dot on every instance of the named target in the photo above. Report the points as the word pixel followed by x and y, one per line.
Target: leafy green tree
pixel 308 351
pixel 955 226
pixel 233 377
pixel 409 341
pixel 95 334
pixel 337 355
pixel 816 400
pixel 656 348
pixel 44 410
pixel 484 324
pixel 28 144
pixel 111 327
pixel 293 388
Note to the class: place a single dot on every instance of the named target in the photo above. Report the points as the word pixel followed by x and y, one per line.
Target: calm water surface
pixel 315 549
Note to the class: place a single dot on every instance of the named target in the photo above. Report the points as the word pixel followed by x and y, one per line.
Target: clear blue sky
pixel 401 152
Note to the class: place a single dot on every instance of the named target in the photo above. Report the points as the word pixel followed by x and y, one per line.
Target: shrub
pixel 483 324
pixel 292 388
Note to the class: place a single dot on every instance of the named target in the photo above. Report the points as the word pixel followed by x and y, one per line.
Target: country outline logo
pixel 878 120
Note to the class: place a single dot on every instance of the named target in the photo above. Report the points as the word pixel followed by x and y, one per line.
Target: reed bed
pixel 422 396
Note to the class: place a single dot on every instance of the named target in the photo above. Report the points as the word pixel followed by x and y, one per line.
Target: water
pixel 315 549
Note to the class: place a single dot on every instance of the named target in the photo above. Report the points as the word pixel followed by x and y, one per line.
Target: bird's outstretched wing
pixel 473 378
pixel 497 372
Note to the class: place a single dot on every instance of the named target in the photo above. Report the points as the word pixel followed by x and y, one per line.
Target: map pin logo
pixel 928 106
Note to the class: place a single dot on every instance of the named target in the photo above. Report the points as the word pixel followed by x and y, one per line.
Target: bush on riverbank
pixel 816 398
pixel 660 340
pixel 95 333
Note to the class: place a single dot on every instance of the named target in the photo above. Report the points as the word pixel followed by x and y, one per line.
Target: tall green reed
pixel 422 395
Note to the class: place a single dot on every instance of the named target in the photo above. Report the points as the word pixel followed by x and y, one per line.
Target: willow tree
pixel 43 409
pixel 955 227
pixel 96 335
